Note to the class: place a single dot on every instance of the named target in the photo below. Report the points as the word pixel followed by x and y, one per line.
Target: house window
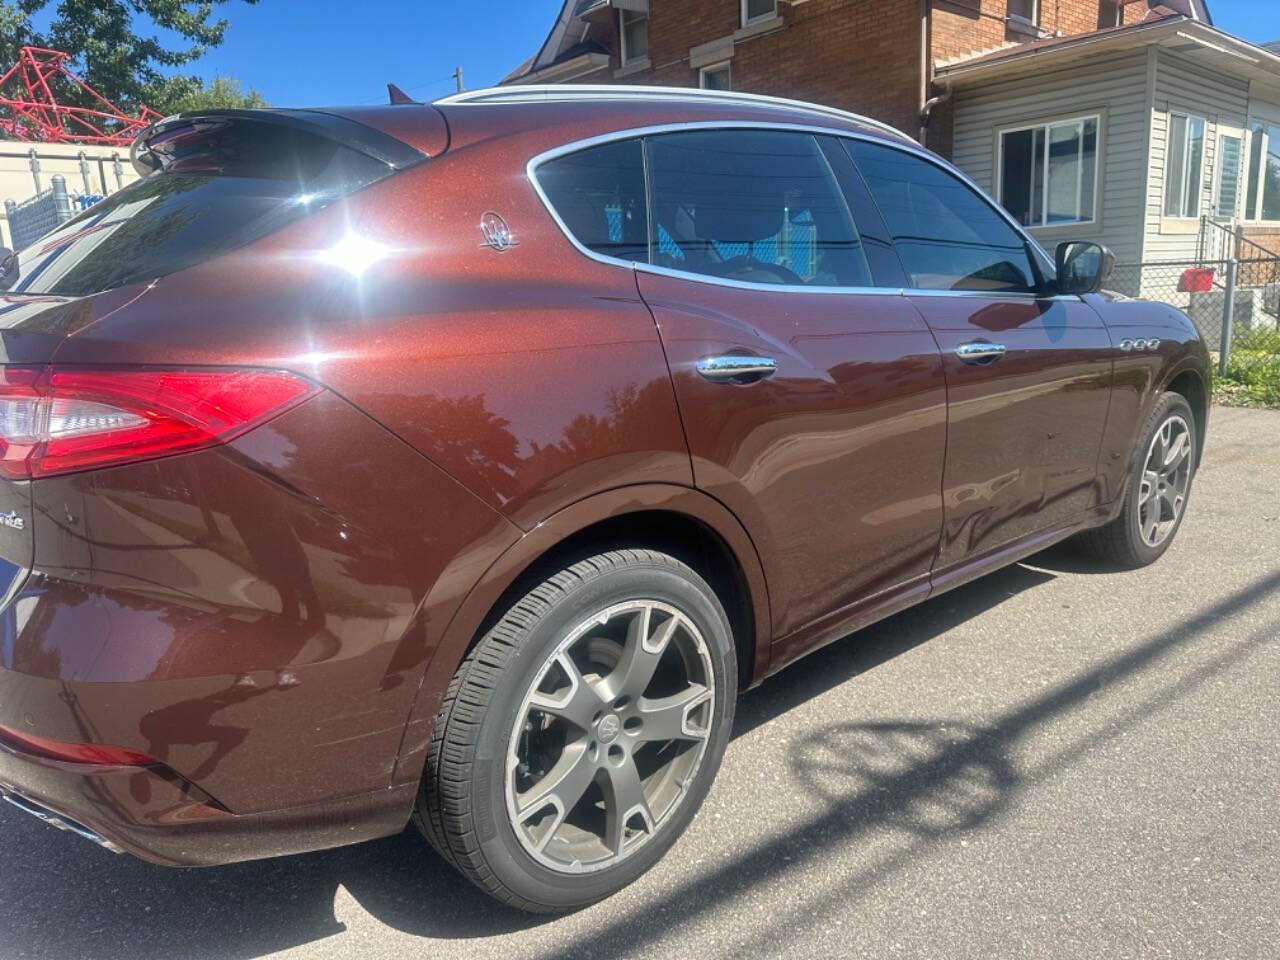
pixel 717 77
pixel 1230 150
pixel 1264 175
pixel 1110 14
pixel 1183 166
pixel 1023 10
pixel 634 28
pixel 1049 172
pixel 753 10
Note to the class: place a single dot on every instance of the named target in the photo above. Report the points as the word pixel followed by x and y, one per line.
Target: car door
pixel 1028 374
pixel 811 391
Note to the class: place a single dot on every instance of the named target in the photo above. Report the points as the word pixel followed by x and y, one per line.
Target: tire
pixel 1138 536
pixel 538 688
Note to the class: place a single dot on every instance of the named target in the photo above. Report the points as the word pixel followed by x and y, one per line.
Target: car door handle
pixel 737 368
pixel 979 351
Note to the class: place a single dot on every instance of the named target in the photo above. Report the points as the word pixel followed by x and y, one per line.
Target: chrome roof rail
pixel 570 93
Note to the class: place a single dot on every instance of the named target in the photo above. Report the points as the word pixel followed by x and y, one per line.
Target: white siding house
pixel 1184 138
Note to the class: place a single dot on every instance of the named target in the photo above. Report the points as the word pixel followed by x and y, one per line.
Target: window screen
pixel 1229 156
pixel 947 236
pixel 599 195
pixel 752 206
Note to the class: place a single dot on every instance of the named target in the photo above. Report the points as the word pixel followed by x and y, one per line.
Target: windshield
pixel 226 185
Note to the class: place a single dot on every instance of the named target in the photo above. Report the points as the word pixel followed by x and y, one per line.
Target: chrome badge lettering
pixel 11 519
pixel 497 234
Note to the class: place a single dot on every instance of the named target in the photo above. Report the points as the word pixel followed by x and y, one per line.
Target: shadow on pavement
pixel 60 898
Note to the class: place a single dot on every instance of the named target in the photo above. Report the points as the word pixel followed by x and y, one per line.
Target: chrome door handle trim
pixel 736 368
pixel 980 352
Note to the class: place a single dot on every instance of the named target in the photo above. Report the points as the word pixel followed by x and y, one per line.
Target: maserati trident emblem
pixel 497 234
pixel 609 727
pixel 11 519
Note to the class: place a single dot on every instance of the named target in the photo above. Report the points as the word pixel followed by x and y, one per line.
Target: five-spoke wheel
pixel 1166 476
pixel 609 736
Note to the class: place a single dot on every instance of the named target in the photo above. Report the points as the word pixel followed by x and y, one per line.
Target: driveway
pixel 1054 761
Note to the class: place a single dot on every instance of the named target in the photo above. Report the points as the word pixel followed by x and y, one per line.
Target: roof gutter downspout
pixel 926 66
pixel 927 110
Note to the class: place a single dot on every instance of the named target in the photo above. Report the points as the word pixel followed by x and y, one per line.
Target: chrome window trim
pixel 531 170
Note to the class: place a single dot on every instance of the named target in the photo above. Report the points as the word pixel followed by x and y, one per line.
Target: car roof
pixel 542 117
pixel 552 115
pixel 699 104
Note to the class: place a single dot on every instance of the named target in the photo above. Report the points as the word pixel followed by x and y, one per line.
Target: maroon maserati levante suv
pixel 461 462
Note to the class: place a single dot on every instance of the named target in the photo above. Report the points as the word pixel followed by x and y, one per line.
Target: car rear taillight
pixel 57 420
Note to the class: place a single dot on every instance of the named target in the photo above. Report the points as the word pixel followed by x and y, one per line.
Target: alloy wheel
pixel 610 736
pixel 1166 476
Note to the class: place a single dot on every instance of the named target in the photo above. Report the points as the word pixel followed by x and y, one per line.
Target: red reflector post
pixel 56 420
pixel 94 753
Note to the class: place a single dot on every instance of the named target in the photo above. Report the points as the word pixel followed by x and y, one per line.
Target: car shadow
pixel 75 901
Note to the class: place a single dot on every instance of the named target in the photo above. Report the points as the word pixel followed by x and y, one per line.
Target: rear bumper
pixel 143 812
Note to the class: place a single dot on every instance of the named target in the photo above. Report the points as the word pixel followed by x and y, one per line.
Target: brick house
pixel 1133 122
pixel 876 57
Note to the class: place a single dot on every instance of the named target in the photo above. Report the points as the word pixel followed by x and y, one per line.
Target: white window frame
pixel 1257 178
pixel 1046 126
pixel 625 56
pixel 1034 19
pixel 726 65
pixel 758 18
pixel 1186 171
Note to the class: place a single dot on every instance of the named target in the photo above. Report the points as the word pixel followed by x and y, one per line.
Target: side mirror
pixel 1083 267
pixel 8 268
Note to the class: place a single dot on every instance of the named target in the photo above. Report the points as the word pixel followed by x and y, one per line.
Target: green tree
pixel 180 94
pixel 110 45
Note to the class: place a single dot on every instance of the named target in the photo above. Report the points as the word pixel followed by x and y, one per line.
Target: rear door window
pixel 947 236
pixel 225 184
pixel 756 206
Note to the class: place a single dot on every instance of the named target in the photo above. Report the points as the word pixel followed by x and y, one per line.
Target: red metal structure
pixel 35 114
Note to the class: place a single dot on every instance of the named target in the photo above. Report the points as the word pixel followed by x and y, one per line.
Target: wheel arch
pixel 1188 382
pixel 693 526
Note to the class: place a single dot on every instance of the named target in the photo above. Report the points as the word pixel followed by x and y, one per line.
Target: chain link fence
pixel 1235 304
pixel 32 219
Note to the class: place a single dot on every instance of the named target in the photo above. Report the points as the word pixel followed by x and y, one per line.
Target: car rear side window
pixel 947 236
pixel 598 194
pixel 756 206
pixel 224 185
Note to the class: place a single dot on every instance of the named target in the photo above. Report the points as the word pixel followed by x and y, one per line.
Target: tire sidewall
pixel 502 850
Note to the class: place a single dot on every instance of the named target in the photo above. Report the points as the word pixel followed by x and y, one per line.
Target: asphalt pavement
pixel 1058 760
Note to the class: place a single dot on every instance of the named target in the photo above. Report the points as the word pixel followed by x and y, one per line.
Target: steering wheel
pixel 746 262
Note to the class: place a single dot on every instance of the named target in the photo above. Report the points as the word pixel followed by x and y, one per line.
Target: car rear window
pixel 223 184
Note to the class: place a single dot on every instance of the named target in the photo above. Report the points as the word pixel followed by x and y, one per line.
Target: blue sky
pixel 346 52
pixel 308 52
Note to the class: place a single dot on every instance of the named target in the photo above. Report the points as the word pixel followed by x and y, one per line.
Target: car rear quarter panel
pixel 257 616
